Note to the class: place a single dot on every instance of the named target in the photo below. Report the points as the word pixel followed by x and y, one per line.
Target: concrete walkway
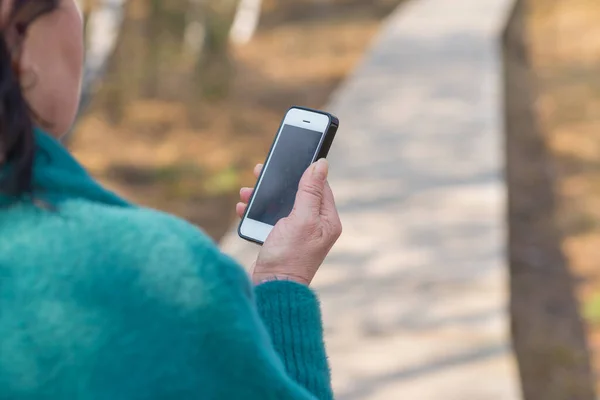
pixel 415 293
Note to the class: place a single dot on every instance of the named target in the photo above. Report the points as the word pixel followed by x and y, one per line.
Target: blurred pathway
pixel 415 293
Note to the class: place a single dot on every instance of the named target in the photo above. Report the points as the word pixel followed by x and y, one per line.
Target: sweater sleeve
pixel 270 341
pixel 291 314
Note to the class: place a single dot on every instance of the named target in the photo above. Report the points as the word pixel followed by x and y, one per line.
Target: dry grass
pixel 566 55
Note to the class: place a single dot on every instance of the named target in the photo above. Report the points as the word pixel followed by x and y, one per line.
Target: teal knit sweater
pixel 102 300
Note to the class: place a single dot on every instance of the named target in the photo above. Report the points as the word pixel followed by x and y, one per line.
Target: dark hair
pixel 17 142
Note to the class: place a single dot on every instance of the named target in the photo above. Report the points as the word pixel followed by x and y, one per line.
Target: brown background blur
pixel 178 127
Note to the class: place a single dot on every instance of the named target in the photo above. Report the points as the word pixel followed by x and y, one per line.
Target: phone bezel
pixel 319 121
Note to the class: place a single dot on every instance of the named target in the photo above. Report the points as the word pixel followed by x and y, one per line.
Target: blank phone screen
pixel 291 156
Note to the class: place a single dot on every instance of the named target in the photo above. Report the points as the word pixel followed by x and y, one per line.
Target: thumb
pixel 311 190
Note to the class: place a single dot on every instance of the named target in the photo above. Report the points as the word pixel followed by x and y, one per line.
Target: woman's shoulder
pixel 119 289
pixel 93 223
pixel 110 240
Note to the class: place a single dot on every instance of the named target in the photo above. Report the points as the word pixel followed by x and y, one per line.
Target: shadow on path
pixel 419 371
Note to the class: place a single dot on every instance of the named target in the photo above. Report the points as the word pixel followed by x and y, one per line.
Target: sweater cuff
pixel 292 316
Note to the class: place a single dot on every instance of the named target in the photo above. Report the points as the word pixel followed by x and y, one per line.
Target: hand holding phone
pixel 299 243
pixel 291 211
pixel 304 136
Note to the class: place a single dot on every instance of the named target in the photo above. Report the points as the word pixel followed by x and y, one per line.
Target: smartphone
pixel 304 136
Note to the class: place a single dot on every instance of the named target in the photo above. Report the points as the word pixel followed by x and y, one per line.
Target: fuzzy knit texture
pixel 103 300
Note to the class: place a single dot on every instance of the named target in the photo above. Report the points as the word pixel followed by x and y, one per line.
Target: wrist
pixel 259 278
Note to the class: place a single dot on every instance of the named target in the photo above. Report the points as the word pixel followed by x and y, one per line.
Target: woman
pixel 100 299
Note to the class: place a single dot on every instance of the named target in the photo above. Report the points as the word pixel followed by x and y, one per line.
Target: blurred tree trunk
pixel 102 22
pixel 122 82
pixel 245 21
pixel 547 329
pixel 172 51
pixel 195 29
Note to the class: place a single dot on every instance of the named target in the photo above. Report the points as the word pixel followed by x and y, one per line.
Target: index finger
pixel 257 169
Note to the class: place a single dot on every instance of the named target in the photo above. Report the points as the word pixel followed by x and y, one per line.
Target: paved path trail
pixel 415 294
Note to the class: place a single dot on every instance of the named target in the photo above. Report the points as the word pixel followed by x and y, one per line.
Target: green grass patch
pixel 591 310
pixel 224 181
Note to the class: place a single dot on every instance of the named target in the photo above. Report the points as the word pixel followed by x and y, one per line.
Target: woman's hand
pixel 298 244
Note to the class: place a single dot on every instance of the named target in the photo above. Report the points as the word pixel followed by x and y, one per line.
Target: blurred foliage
pixel 181 117
pixel 592 310
pixel 154 61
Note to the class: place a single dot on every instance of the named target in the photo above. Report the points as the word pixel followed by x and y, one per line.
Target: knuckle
pixel 311 189
pixel 312 230
pixel 337 229
pixel 318 233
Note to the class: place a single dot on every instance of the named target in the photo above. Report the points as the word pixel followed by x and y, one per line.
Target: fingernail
pixel 320 169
